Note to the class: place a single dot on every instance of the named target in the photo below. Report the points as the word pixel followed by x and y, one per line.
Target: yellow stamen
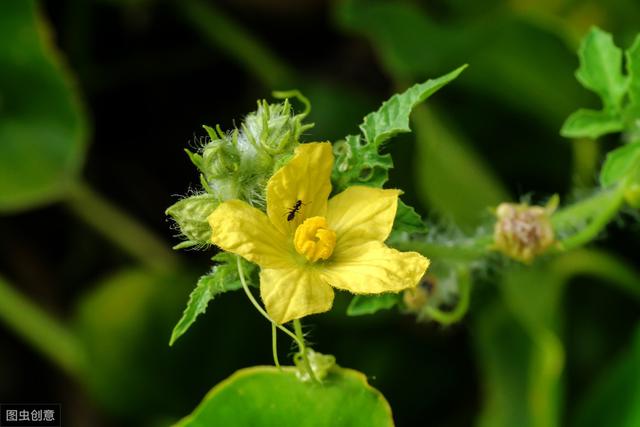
pixel 314 239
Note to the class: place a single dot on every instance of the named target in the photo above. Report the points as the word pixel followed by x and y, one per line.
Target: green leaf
pixel 591 124
pixel 614 399
pixel 407 220
pixel 123 322
pixel 359 164
pixel 369 304
pixel 43 130
pixel 633 69
pixel 266 396
pixel 411 44
pixel 190 214
pixel 601 68
pixel 620 163
pixel 223 277
pixel 393 116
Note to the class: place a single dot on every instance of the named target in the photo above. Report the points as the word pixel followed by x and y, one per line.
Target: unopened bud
pixel 523 232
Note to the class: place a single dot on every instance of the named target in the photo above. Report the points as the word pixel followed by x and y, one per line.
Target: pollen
pixel 314 239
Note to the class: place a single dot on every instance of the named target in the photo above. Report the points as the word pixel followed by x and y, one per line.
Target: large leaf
pixel 43 132
pixel 223 277
pixel 266 396
pixel 393 116
pixel 615 399
pixel 601 68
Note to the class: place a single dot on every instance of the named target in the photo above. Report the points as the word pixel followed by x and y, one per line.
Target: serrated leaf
pixel 359 164
pixel 601 68
pixel 357 158
pixel 620 163
pixel 393 116
pixel 370 304
pixel 223 278
pixel 633 69
pixel 267 396
pixel 191 215
pixel 43 128
pixel 591 124
pixel 407 220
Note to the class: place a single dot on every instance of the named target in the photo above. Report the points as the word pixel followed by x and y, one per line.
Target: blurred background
pixel 98 100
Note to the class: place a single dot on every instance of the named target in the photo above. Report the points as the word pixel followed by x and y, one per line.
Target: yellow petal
pixel 300 188
pixel 246 231
pixel 374 268
pixel 292 293
pixel 359 215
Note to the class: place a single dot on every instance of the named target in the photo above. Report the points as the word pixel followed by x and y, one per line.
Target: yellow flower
pixel 306 244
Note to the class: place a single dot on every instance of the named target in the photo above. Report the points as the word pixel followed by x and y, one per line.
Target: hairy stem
pixel 455 315
pixel 43 332
pixel 274 345
pixel 597 211
pixel 120 228
pixel 303 350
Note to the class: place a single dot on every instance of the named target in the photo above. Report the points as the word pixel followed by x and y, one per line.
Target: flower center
pixel 314 239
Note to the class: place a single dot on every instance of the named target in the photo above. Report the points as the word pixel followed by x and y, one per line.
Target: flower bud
pixel 523 232
pixel 190 214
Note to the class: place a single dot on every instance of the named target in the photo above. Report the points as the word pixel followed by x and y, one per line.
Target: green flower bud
pixel 190 215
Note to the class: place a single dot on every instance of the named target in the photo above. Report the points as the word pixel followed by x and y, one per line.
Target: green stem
pixel 119 228
pixel 41 330
pixel 303 349
pixel 274 345
pixel 467 250
pixel 222 32
pixel 259 308
pixel 455 315
pixel 597 210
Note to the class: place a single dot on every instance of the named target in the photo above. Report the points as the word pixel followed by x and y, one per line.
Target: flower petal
pixel 292 293
pixel 374 268
pixel 359 215
pixel 304 182
pixel 246 231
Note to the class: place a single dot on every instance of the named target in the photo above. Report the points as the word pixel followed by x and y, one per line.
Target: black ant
pixel 296 207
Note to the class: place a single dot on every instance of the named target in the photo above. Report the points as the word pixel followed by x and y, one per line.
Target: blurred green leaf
pixel 223 277
pixel 266 396
pixel 614 401
pixel 43 130
pixel 633 69
pixel 511 59
pixel 370 304
pixel 591 124
pixel 392 117
pixel 451 178
pixel 601 68
pixel 620 163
